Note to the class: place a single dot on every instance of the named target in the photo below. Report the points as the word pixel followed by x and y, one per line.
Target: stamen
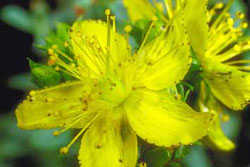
pixel 51 62
pixel 50 51
pixel 218 5
pixel 114 23
pixel 240 15
pixel 169 8
pixel 64 150
pixel 154 19
pixel 222 14
pixel 244 25
pixel 54 46
pixel 74 121
pixel 127 29
pixel 238 62
pixel 107 13
pixel 230 21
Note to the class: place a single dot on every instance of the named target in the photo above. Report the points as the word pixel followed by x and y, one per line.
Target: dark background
pixel 16 46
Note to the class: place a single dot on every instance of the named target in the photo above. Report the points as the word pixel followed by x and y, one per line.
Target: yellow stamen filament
pixel 114 23
pixel 222 14
pixel 224 28
pixel 107 13
pixel 154 19
pixel 168 5
pixel 238 62
pixel 127 29
pixel 64 150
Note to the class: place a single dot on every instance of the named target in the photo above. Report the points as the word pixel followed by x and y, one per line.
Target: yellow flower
pixel 117 94
pixel 194 12
pixel 225 72
pixel 215 139
pixel 217 48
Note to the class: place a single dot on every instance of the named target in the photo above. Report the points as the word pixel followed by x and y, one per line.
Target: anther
pixel 57 68
pixel 128 28
pixel 114 24
pixel 244 25
pixel 73 65
pixel 143 164
pixel 107 12
pixel 219 5
pixel 237 48
pixel 64 150
pixel 51 62
pixel 56 133
pixel 240 15
pixel 154 18
pixel 50 51
pixel 230 21
pixel 54 46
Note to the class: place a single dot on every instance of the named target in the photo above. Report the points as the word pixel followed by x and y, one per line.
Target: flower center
pixel 113 90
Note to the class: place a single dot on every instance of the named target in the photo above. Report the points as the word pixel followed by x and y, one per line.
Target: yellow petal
pixel 108 142
pixel 197 27
pixel 229 85
pixel 159 118
pixel 95 48
pixel 166 58
pixel 139 9
pixel 53 107
pixel 217 139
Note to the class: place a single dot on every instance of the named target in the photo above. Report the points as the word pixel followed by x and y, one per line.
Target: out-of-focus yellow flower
pixel 218 46
pixel 215 139
pixel 194 14
pixel 226 74
pixel 117 94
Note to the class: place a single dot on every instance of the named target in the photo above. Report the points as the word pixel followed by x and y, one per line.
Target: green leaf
pixel 17 17
pixel 157 157
pixel 43 75
pixel 181 152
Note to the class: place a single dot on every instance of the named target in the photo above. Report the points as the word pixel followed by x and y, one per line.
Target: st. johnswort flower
pixel 117 95
pixel 226 74
pixel 218 43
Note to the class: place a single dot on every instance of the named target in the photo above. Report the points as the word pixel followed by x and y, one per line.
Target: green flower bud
pixel 43 75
